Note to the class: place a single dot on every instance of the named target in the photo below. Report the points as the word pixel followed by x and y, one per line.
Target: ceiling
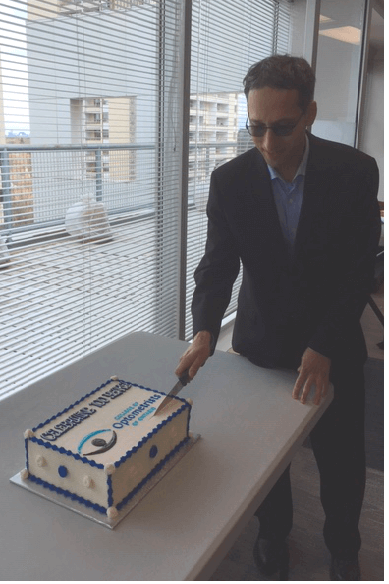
pixel 338 21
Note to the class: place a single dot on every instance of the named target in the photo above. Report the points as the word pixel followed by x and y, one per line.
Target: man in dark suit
pixel 301 215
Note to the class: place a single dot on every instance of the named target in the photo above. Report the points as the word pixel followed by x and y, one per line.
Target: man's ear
pixel 311 113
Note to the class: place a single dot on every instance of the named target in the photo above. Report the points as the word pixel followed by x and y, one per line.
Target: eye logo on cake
pixel 103 445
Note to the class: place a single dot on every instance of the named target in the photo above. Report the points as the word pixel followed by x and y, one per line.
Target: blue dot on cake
pixel 62 471
pixel 153 451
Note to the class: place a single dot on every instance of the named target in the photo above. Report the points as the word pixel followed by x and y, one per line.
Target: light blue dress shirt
pixel 288 197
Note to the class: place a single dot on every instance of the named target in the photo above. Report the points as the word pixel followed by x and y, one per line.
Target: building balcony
pixel 93 124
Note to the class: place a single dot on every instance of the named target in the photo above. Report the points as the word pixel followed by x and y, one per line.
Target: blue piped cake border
pixel 67 494
pixel 76 456
pixel 62 450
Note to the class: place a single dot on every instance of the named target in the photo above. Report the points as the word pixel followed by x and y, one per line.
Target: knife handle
pixel 185 378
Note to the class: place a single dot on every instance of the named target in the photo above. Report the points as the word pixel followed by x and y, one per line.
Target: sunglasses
pixel 259 130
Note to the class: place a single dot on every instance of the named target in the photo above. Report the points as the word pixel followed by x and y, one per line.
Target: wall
pixel 337 71
pixel 372 132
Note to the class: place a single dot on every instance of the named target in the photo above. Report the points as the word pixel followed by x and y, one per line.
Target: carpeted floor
pixel 309 557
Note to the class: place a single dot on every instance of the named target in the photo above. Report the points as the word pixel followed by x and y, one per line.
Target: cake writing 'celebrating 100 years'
pixel 101 450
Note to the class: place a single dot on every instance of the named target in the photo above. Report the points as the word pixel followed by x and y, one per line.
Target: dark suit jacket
pixel 316 302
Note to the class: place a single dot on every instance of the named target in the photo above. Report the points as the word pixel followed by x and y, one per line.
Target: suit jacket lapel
pixel 312 210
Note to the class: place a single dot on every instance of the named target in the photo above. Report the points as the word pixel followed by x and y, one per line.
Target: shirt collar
pixel 301 169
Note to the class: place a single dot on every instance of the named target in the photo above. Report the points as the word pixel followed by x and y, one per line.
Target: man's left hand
pixel 314 370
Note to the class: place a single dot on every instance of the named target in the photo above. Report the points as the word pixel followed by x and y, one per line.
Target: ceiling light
pixel 346 34
pixel 324 19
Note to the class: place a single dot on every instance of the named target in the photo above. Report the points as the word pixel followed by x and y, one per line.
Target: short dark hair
pixel 283 72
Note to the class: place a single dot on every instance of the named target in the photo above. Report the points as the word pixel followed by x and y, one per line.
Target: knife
pixel 182 381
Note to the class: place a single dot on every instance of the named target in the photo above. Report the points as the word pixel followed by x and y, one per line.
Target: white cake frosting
pixel 101 450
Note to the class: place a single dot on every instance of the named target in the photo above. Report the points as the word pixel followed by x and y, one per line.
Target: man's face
pixel 278 107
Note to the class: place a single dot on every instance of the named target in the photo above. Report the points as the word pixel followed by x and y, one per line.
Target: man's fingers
pixel 320 391
pixel 195 367
pixel 195 356
pixel 193 361
pixel 307 388
pixel 313 372
pixel 303 385
pixel 297 387
pixel 186 362
pixel 318 395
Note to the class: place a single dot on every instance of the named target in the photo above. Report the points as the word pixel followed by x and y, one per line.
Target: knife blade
pixel 182 381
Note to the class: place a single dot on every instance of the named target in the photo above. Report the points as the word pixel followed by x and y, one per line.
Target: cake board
pixel 95 515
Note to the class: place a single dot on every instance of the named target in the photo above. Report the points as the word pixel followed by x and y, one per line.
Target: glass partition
pixel 339 57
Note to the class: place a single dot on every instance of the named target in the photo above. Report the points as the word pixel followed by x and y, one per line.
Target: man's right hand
pixel 196 355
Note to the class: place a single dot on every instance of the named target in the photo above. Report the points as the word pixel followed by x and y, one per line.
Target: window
pixel 73 285
pixel 91 125
pixel 227 37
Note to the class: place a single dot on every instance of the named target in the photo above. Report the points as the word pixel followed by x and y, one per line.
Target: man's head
pixel 280 105
pixel 283 72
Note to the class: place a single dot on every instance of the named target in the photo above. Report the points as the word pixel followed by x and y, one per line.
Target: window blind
pixel 90 144
pixel 95 232
pixel 227 37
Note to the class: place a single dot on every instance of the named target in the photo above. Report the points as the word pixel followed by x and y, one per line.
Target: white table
pixel 250 428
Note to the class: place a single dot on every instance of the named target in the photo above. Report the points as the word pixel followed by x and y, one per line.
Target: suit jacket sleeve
pixel 356 278
pixel 217 271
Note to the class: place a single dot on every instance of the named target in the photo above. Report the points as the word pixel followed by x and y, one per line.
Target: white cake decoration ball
pixel 28 434
pixel 114 377
pixel 112 512
pixel 24 474
pixel 109 469
pixel 40 461
pixel 190 401
pixel 87 482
